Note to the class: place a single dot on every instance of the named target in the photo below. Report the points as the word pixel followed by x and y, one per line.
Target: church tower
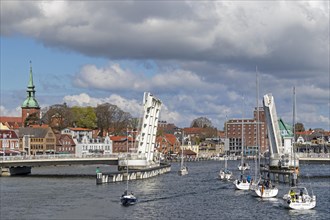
pixel 30 106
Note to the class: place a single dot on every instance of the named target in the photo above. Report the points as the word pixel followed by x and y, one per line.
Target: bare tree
pixel 110 117
pixel 58 116
pixel 201 122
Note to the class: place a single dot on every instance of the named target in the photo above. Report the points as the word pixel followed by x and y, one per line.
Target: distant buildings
pixel 252 128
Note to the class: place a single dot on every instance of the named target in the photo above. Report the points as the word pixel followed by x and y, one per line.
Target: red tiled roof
pixel 170 138
pixel 120 138
pixel 10 119
pixel 308 132
pixel 80 129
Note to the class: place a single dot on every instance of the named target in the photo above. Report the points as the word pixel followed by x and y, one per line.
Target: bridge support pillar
pixel 12 171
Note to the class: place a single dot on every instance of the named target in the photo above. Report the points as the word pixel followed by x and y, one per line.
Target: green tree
pixel 299 127
pixel 84 117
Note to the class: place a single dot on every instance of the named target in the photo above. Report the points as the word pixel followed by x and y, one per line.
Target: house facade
pixel 9 142
pixel 86 146
pixel 65 144
pixel 37 140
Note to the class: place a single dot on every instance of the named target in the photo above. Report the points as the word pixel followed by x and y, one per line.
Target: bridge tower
pixel 281 155
pixel 144 158
pixel 149 126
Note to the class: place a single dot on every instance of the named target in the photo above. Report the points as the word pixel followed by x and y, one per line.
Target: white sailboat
pixel 242 183
pixel 183 169
pixel 264 189
pixel 298 197
pixel 245 166
pixel 225 174
pixel 128 198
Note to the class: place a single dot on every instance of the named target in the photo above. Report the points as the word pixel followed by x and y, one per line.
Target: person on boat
pixel 292 195
pixel 262 189
pixel 97 170
pixel 125 193
pixel 301 194
pixel 248 178
pixel 267 184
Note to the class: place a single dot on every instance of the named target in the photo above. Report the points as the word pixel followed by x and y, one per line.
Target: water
pixel 72 193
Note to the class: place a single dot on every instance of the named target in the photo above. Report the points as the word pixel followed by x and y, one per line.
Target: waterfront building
pixel 37 140
pixel 168 144
pixel 120 144
pixel 30 107
pixel 64 144
pixel 233 129
pixel 78 133
pixel 9 142
pixel 86 146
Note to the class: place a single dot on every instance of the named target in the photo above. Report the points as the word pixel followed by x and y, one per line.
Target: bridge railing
pixel 131 156
pixel 56 156
pixel 313 155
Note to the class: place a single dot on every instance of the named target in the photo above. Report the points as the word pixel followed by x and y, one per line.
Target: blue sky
pixel 199 58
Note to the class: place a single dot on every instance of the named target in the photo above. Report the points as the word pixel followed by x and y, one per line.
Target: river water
pixel 70 192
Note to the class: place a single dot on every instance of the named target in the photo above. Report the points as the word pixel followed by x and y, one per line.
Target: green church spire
pixel 30 101
pixel 30 85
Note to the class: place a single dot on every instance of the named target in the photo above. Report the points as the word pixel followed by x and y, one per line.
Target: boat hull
pixel 295 200
pixel 183 171
pixel 242 185
pixel 128 200
pixel 266 193
pixel 300 205
pixel 225 175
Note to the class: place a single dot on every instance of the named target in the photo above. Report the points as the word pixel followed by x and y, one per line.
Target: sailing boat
pixel 183 169
pixel 264 189
pixel 225 174
pixel 298 197
pixel 242 183
pixel 127 198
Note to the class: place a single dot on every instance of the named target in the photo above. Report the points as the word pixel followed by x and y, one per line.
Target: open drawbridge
pixel 280 148
pixel 144 157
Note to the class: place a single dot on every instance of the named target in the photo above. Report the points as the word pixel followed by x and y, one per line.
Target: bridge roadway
pixel 51 160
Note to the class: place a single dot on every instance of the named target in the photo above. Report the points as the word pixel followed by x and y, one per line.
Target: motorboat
pixel 299 199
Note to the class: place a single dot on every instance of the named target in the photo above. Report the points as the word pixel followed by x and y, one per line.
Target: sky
pixel 200 58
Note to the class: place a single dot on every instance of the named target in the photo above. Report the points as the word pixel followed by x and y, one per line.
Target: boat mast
pixel 242 153
pixel 293 126
pixel 127 162
pixel 257 123
pixel 293 139
pixel 182 142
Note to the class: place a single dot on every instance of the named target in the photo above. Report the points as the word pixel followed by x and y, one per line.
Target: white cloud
pixel 16 112
pixel 205 52
pixel 112 77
